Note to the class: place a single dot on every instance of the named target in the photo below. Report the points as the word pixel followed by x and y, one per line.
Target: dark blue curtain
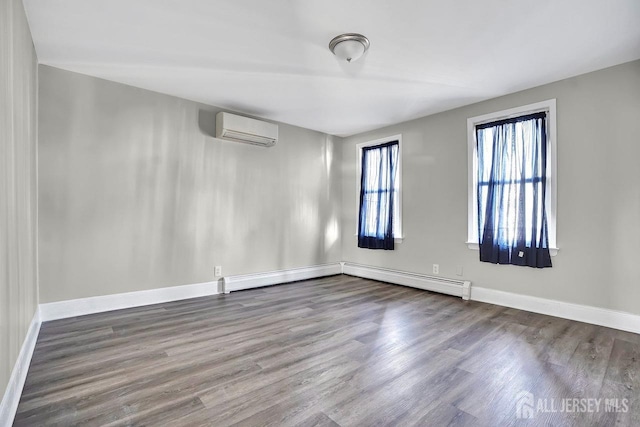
pixel 379 170
pixel 512 168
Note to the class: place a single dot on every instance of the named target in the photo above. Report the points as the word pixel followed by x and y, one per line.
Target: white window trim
pixel 397 229
pixel 548 106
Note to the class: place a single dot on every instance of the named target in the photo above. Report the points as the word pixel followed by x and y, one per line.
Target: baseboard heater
pixel 248 281
pixel 459 288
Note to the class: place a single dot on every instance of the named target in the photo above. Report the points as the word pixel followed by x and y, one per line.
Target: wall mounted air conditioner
pixel 235 128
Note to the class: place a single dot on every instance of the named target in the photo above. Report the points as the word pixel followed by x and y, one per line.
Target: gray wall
pixel 134 194
pixel 18 208
pixel 598 116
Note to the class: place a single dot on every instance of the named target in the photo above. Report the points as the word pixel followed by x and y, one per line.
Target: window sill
pixel 475 246
pixel 395 239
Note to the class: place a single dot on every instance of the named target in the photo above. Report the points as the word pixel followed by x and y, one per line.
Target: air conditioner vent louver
pixel 236 128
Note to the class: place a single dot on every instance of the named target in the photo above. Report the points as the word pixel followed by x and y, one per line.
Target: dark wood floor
pixel 338 351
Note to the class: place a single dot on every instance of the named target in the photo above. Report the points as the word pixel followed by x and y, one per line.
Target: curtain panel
pixel 512 177
pixel 379 172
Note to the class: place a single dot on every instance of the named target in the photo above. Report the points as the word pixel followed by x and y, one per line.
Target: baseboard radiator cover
pixel 459 288
pixel 615 319
pixel 257 280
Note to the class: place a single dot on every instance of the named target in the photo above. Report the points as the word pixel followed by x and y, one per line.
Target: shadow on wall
pixel 207 122
pixel 271 207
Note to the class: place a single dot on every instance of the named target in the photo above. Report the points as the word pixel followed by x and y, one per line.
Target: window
pixel 380 200
pixel 512 185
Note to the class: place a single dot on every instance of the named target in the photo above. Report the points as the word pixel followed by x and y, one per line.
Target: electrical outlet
pixel 436 268
pixel 459 270
pixel 217 271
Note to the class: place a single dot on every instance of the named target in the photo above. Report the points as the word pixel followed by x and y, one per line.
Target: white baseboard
pixel 83 306
pixel 459 288
pixel 582 313
pixel 248 281
pixel 12 394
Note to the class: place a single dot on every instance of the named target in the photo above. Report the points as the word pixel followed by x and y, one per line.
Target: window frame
pixel 551 202
pixel 398 235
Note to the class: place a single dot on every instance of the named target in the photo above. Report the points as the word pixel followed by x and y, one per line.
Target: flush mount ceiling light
pixel 349 47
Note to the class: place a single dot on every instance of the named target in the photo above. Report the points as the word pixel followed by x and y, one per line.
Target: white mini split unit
pixel 235 128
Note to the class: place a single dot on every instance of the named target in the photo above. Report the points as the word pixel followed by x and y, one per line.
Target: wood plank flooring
pixel 337 351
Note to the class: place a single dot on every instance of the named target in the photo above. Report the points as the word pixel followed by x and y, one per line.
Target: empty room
pixel 319 213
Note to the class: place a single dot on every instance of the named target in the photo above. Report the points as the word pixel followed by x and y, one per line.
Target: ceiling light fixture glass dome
pixel 349 47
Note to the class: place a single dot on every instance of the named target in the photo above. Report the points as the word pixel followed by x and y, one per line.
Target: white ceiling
pixel 270 58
